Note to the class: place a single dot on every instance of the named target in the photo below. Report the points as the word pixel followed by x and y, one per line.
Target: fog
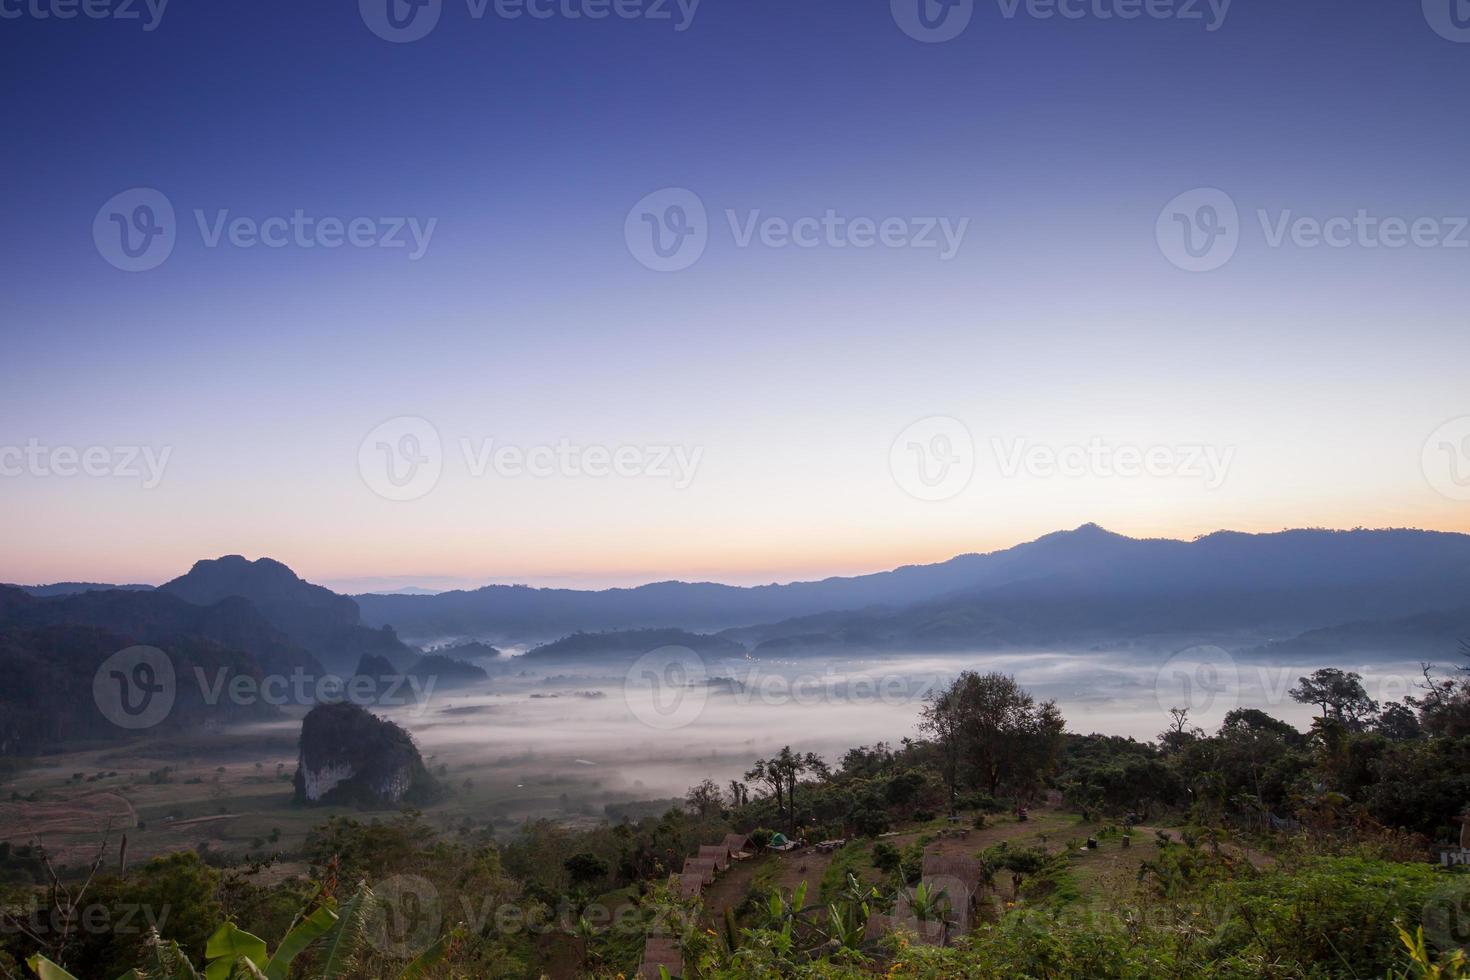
pixel 559 742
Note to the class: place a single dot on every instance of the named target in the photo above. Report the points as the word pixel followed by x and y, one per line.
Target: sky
pixel 292 280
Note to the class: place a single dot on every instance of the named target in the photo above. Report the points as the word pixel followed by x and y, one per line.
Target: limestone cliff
pixel 350 756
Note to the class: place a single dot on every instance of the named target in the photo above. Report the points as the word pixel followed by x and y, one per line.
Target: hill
pixel 313 616
pixel 1083 585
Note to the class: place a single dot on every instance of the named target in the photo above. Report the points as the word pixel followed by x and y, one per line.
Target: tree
pixel 782 772
pixel 704 799
pixel 1398 723
pixel 739 794
pixel 940 721
pixel 585 868
pixel 765 772
pixel 990 727
pixel 1339 694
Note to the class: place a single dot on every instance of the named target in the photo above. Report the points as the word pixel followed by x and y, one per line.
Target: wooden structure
pixel 717 853
pixel 660 951
pixel 704 867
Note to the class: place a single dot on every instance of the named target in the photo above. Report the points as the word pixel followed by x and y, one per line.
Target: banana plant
pixel 929 904
pixel 234 954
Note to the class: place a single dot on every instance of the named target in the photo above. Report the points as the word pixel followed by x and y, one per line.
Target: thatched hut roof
pixel 718 853
pixel 661 951
pixel 704 867
pixel 738 844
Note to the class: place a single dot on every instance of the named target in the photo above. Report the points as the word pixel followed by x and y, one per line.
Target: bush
pixel 886 857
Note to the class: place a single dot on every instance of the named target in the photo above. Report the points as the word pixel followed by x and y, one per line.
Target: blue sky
pixel 529 321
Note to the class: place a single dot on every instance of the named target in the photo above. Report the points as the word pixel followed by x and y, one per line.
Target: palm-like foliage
pixel 234 954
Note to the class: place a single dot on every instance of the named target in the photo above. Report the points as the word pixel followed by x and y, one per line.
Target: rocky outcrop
pixel 349 756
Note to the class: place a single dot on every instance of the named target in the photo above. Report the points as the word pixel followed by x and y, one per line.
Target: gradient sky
pixel 528 320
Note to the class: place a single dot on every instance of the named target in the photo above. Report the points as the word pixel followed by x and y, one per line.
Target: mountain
pixel 1432 636
pixel 1093 587
pixel 72 588
pixel 49 697
pixel 327 624
pixel 1083 585
pixel 157 618
pixel 446 672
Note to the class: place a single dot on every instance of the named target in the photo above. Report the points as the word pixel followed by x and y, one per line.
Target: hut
pixel 704 867
pixel 660 951
pixel 739 846
pixel 717 853
pixel 690 885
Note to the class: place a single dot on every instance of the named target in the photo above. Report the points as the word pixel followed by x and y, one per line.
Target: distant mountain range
pixel 1085 586
pixel 1310 593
